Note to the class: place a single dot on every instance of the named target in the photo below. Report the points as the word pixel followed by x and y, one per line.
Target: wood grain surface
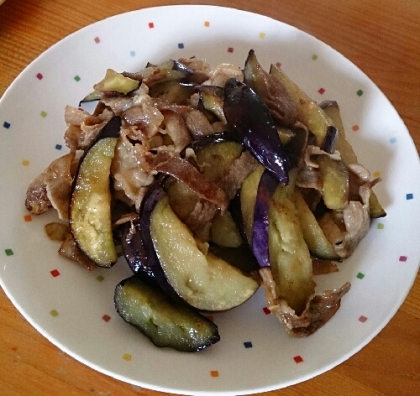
pixel 382 37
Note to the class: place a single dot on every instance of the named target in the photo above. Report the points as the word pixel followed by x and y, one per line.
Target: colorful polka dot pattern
pixel 106 317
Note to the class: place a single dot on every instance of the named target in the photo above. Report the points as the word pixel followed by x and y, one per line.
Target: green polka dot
pixel 9 252
pixel 54 313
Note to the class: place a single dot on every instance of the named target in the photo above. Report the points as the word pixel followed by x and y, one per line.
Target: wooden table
pixel 382 37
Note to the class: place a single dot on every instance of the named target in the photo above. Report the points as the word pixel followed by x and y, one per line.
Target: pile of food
pixel 211 183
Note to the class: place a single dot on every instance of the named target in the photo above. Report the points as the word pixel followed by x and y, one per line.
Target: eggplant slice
pixel 166 322
pixel 90 206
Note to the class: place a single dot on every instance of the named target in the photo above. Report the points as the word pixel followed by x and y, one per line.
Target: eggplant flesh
pixel 166 322
pixel 335 182
pixel 90 205
pixel 309 113
pixel 348 155
pixel 291 263
pixel 167 71
pixel 271 90
pixel 203 280
pixel 116 82
pixel 248 197
pixel 318 244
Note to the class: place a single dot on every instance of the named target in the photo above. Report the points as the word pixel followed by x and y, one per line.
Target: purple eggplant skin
pixel 266 188
pixel 251 120
pixel 136 242
pixel 151 264
pixel 111 129
pixel 331 136
pixel 134 250
pixel 330 140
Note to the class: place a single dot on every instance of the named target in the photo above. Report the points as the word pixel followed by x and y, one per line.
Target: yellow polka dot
pixel 25 162
pixel 262 35
pixel 127 357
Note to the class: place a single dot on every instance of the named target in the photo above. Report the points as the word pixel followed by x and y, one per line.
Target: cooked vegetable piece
pixel 248 196
pixel 57 231
pixel 224 231
pixel 318 244
pixel 181 197
pixel 309 113
pixel 166 322
pixel 376 210
pixel 93 96
pixel 203 280
pixel 330 140
pixel 183 170
pixel 154 74
pixel 90 207
pixel 133 248
pixel 70 250
pixel 251 120
pixel 319 309
pixel 271 91
pixel 211 100
pixel 291 264
pixel 116 82
pixel 348 155
pixel 240 257
pixel 173 91
pixel 335 182
pixel 260 235
pixel 140 248
pixel 215 159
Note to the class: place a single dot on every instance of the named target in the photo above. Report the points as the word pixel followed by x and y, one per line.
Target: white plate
pixel 74 310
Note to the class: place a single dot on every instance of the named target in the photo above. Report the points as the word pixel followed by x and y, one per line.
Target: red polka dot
pixel 363 319
pixel 298 359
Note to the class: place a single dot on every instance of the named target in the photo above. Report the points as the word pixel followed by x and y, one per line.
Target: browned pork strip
pixel 181 169
pixel 320 307
pixel 52 188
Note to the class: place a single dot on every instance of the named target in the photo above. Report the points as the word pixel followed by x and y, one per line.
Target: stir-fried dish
pixel 210 182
